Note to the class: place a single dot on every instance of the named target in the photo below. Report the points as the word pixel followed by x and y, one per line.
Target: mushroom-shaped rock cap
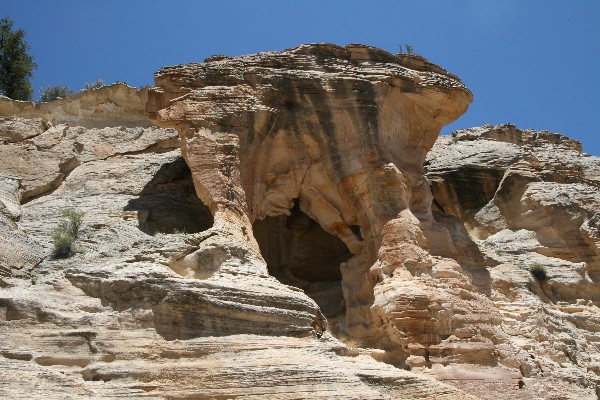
pixel 316 121
pixel 225 91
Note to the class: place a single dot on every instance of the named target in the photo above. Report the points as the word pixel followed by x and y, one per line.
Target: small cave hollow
pixel 168 202
pixel 300 253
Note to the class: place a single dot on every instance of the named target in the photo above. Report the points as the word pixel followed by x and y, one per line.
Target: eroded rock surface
pixel 18 253
pixel 109 106
pixel 289 209
pixel 342 132
pixel 170 296
pixel 530 199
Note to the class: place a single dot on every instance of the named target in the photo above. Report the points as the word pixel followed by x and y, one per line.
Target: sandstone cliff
pixel 526 199
pixel 288 207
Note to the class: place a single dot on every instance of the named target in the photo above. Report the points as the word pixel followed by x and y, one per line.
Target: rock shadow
pixel 468 254
pixel 169 204
pixel 300 253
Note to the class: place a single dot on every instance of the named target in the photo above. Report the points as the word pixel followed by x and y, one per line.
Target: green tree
pixel 50 93
pixel 16 66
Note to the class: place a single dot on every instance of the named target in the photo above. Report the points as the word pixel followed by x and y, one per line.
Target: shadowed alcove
pixel 169 204
pixel 300 253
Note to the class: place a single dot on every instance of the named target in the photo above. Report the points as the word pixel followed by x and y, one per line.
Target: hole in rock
pixel 356 230
pixel 300 253
pixel 169 204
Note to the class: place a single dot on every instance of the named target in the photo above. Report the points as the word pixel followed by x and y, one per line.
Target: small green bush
pixel 65 234
pixel 50 93
pixel 63 245
pixel 409 48
pixel 579 167
pixel 97 84
pixel 538 271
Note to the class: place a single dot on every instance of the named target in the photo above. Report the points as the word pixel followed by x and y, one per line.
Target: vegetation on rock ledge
pixel 66 233
pixel 538 271
pixel 50 93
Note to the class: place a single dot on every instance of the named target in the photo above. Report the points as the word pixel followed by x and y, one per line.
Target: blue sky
pixel 532 63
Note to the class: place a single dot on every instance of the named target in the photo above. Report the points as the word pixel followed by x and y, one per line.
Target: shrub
pixel 579 167
pixel 352 344
pixel 65 234
pixel 63 244
pixel 409 48
pixel 97 84
pixel 55 92
pixel 538 271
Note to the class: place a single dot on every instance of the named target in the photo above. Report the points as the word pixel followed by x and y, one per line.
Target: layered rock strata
pixel 289 207
pixel 529 200
pixel 343 133
pixel 163 300
pixel 109 106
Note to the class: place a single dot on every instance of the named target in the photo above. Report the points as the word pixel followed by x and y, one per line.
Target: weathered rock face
pixel 171 297
pixel 139 199
pixel 290 206
pixel 109 106
pixel 529 199
pixel 539 200
pixel 18 254
pixel 343 133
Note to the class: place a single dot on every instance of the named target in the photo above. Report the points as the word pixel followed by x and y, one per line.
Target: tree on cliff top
pixel 16 66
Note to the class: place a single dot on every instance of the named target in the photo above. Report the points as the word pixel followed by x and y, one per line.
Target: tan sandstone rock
pixel 170 297
pixel 341 133
pixel 109 106
pixel 289 208
pixel 528 199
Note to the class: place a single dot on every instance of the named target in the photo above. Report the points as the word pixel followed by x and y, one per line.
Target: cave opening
pixel 300 253
pixel 169 204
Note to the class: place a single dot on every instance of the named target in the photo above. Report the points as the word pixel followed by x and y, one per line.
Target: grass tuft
pixel 538 271
pixel 65 234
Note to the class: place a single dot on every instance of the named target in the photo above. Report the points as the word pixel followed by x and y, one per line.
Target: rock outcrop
pixel 529 200
pixel 116 105
pixel 340 134
pixel 279 206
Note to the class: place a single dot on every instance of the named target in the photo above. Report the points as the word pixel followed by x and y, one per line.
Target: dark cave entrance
pixel 300 253
pixel 169 204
